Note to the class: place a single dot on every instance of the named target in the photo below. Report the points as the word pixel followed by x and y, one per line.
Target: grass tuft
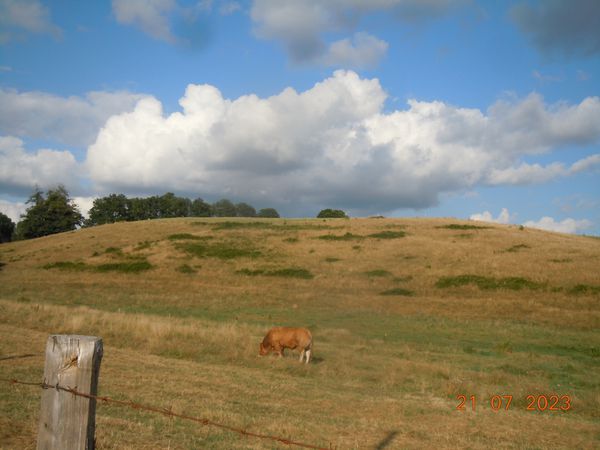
pixel 388 234
pixel 398 291
pixel 487 283
pixel 68 266
pixel 220 250
pixel 238 225
pixel 291 272
pixel 343 237
pixel 378 273
pixel 185 268
pixel 516 248
pixel 458 226
pixel 584 289
pixel 187 237
pixel 133 266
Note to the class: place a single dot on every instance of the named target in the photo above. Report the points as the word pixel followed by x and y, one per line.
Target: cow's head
pixel 263 349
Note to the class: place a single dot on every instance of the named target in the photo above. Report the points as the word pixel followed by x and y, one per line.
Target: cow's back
pixel 292 337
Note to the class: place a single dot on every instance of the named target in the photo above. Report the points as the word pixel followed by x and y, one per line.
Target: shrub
pixel 331 214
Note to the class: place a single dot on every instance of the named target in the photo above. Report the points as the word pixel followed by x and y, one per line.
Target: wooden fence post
pixel 68 421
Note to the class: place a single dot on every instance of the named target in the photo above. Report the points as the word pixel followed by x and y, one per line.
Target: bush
pixel 331 214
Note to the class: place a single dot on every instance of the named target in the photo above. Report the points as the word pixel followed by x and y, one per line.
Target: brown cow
pixel 280 338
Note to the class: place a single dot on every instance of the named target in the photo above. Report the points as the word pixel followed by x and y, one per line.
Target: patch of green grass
pixel 143 245
pixel 291 272
pixel 561 260
pixel 188 237
pixel 238 225
pixel 516 248
pixel 388 234
pixel 220 250
pixel 378 273
pixel 343 237
pixel 331 259
pixel 114 251
pixel 457 226
pixel 398 291
pixel 487 283
pixel 135 266
pixel 583 289
pixel 185 268
pixel 504 347
pixel 68 266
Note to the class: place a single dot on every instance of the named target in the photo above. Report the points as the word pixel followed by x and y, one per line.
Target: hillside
pixel 407 314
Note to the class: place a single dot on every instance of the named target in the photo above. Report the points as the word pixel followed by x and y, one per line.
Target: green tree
pixel 268 213
pixel 332 214
pixel 172 206
pixel 54 213
pixel 7 228
pixel 110 209
pixel 223 208
pixel 244 210
pixel 200 208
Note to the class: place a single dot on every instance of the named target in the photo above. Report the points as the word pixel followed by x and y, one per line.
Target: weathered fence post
pixel 68 421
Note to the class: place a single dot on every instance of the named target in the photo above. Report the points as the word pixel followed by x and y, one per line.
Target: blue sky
pixel 470 109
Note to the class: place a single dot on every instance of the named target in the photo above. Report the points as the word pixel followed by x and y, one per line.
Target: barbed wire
pixel 164 411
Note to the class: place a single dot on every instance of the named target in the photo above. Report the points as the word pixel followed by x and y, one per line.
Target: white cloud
pixel 68 120
pixel 301 26
pixel 363 50
pixel 536 173
pixel 84 204
pixel 565 226
pixel 486 216
pixel 30 16
pixel 151 16
pixel 20 171
pixel 13 210
pixel 331 144
pixel 229 8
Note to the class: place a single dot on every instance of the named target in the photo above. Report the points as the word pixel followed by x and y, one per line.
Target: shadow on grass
pixel 386 441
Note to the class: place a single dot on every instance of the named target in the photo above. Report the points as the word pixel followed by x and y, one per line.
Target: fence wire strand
pixel 165 412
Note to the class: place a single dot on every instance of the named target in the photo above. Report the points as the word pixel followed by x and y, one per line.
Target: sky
pixel 480 110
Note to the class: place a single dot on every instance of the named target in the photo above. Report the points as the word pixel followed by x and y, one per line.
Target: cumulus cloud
pixel 561 27
pixel 68 120
pixel 301 25
pixel 331 144
pixel 486 216
pixel 151 16
pixel 25 16
pixel 13 210
pixel 536 173
pixel 171 21
pixel 564 226
pixel 20 170
pixel 363 50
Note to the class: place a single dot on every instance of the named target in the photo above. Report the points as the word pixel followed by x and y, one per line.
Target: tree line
pixel 55 212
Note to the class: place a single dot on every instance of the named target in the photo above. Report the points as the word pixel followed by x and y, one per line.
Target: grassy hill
pixel 406 315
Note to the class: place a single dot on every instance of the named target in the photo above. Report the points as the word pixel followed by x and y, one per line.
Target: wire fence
pixel 157 410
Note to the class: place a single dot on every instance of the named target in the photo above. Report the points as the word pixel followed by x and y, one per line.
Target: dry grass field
pixel 406 314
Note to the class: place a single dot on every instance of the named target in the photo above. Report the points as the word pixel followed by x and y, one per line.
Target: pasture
pixel 406 315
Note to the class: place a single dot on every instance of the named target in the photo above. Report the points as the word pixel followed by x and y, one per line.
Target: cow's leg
pixel 307 356
pixel 301 355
